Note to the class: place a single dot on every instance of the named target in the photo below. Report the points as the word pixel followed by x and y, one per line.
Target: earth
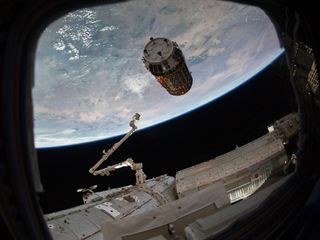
pixel 90 79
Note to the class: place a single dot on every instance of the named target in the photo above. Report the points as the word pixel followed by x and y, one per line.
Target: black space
pixel 234 119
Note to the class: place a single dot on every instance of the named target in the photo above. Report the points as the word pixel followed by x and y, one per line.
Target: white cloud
pixel 119 96
pixel 90 116
pixel 109 28
pixel 137 84
pixel 73 50
pixel 215 51
pixel 59 46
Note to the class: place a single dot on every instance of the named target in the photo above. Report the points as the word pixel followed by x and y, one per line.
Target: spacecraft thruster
pixel 165 60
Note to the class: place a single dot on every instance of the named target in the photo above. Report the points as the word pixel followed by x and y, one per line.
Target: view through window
pixel 90 79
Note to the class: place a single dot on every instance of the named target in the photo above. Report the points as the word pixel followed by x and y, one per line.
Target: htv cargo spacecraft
pixel 165 60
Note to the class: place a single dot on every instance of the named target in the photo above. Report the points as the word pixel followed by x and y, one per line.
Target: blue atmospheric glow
pixel 90 80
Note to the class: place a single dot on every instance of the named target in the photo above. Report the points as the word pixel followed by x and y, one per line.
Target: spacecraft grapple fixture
pixel 166 62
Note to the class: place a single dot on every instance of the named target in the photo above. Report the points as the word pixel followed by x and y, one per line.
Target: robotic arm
pixel 140 176
pixel 107 154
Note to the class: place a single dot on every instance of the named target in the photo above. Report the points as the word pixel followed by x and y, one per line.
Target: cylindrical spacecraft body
pixel 165 60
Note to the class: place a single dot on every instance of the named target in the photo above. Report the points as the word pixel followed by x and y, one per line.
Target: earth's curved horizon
pixel 90 80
